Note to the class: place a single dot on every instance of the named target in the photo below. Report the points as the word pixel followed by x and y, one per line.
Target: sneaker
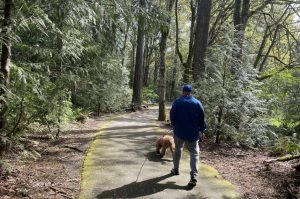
pixel 174 172
pixel 192 182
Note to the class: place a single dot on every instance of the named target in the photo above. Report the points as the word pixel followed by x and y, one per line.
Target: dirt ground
pixel 55 172
pixel 253 177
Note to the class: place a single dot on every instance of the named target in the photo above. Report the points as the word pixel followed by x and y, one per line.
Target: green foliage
pixel 149 95
pixel 5 168
pixel 81 115
pixel 72 59
pixel 34 98
pixel 106 89
pixel 65 66
pixel 284 98
pixel 285 145
pixel 232 101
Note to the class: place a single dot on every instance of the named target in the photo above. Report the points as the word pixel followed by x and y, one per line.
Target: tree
pixel 5 68
pixel 240 19
pixel 138 72
pixel 186 64
pixel 164 29
pixel 201 38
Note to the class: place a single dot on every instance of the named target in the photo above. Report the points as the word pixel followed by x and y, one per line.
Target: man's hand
pixel 201 137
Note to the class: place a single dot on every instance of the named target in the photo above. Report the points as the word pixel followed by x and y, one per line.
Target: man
pixel 188 121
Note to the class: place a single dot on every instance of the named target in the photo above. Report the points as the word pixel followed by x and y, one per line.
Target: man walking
pixel 188 121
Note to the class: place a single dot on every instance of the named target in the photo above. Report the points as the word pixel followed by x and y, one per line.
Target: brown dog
pixel 164 142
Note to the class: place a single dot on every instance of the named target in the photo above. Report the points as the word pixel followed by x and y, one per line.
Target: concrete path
pixel 121 163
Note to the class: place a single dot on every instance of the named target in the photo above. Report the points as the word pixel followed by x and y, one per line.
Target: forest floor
pixel 56 172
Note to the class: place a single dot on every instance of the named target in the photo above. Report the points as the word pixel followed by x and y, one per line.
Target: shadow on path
pixel 140 189
pixel 153 157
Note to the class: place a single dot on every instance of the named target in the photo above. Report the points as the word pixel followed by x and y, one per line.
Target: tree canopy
pixel 65 60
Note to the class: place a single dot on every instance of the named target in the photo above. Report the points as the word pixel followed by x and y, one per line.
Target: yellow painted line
pixel 87 173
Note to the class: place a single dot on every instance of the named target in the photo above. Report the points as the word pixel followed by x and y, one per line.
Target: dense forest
pixel 63 61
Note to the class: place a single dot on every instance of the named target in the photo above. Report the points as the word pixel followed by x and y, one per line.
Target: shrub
pixel 285 145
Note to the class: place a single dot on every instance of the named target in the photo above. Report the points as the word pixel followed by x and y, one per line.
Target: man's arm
pixel 172 114
pixel 202 119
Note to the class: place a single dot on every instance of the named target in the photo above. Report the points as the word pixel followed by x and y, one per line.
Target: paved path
pixel 121 163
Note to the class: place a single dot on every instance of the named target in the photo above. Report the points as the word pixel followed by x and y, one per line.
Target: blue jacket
pixel 187 118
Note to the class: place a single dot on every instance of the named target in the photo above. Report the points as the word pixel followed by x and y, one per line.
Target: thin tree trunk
pixel 201 38
pixel 162 68
pixel 218 133
pixel 60 22
pixel 266 35
pixel 138 72
pixel 187 64
pixel 240 20
pixel 261 48
pixel 173 83
pixel 220 113
pixel 124 45
pixel 155 72
pixel 269 49
pixel 132 66
pixel 146 64
pixel 5 61
pixel 162 78
pixel 5 68
pixel 224 12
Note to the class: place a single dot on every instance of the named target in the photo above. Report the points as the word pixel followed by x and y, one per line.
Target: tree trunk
pixel 269 49
pixel 4 76
pixel 162 78
pixel 155 72
pixel 240 20
pixel 124 45
pixel 162 69
pixel 138 72
pixel 146 63
pixel 173 83
pixel 218 130
pixel 131 75
pixel 187 64
pixel 5 61
pixel 201 38
pixel 284 158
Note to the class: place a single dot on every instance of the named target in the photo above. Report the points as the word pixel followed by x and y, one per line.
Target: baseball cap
pixel 187 88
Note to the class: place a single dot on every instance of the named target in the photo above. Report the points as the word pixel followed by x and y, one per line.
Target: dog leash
pixel 141 169
pixel 168 132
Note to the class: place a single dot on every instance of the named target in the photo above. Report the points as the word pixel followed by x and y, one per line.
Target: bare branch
pixel 286 67
pixel 270 48
pixel 222 16
pixel 260 8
